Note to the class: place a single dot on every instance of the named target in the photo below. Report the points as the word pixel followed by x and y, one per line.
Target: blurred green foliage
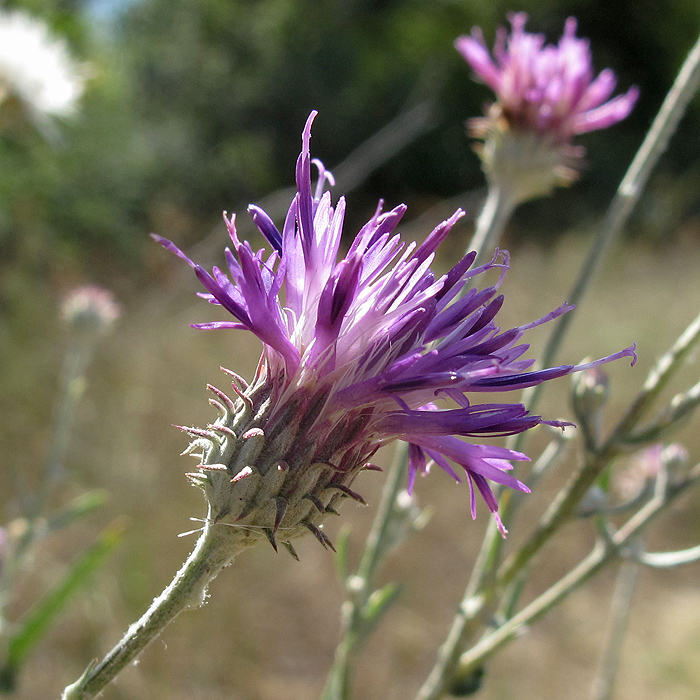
pixel 196 106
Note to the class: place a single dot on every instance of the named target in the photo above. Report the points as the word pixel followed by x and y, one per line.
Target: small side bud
pixel 589 395
pixel 675 458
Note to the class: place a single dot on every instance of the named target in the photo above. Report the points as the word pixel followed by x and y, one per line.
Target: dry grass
pixel 269 630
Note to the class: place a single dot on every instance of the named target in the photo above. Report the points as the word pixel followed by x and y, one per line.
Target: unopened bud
pixel 638 477
pixel 590 391
pixel 589 396
pixel 675 459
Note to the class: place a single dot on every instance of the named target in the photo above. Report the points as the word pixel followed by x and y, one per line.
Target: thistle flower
pixel 37 68
pixel 546 95
pixel 90 310
pixel 358 351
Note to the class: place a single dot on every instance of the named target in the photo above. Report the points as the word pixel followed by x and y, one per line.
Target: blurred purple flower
pixel 546 89
pixel 545 96
pixel 366 349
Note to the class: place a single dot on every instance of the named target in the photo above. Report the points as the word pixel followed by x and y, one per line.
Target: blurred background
pixel 193 107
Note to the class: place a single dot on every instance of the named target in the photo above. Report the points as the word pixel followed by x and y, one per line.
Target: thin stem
pixel 464 626
pixel 559 512
pixel 361 584
pixel 590 566
pixel 498 207
pixel 564 504
pixel 626 197
pixel 660 376
pixel 72 387
pixel 497 210
pixel 665 560
pixel 377 544
pixel 479 596
pixel 620 208
pixel 620 608
pixel 216 548
pixel 616 545
pixel 73 384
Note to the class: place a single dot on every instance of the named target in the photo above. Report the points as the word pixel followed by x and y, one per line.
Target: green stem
pixel 620 608
pixel 377 541
pixel 559 512
pixel 464 627
pixel 360 585
pixel 73 386
pixel 498 207
pixel 618 545
pixel 497 210
pixel 626 197
pixel 216 548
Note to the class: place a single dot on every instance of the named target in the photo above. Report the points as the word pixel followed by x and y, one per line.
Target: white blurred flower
pixel 37 68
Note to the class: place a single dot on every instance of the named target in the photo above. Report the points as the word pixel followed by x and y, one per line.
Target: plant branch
pixel 216 548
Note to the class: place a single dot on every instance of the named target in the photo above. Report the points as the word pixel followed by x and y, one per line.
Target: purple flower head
pixel 546 95
pixel 359 349
pixel 550 90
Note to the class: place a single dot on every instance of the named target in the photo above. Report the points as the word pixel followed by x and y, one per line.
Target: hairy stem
pixel 216 548
pixel 498 207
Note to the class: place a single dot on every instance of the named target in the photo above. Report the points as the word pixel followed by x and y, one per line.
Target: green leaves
pixel 37 621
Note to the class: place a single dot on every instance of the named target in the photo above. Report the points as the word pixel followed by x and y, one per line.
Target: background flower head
pixel 545 94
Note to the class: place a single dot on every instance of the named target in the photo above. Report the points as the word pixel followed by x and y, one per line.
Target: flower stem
pixel 216 548
pixel 628 193
pixel 619 617
pixel 73 385
pixel 615 546
pixel 498 207
pixel 361 585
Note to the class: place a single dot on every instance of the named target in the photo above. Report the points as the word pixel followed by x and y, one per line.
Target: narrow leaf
pixel 37 621
pixel 78 508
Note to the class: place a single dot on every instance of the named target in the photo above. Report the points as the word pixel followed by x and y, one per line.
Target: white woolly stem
pixel 216 548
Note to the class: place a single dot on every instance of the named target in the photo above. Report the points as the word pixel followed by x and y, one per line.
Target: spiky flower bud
pixel 276 471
